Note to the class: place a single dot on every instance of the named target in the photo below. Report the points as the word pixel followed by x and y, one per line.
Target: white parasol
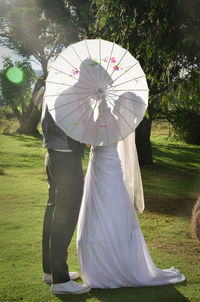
pixel 97 92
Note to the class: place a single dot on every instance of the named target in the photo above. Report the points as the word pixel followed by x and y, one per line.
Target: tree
pixel 31 33
pixel 81 10
pixel 159 35
pixel 26 29
pixel 181 108
pixel 17 93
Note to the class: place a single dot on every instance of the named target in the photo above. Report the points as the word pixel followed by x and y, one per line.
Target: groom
pixel 65 178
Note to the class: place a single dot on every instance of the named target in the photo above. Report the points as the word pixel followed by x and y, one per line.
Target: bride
pixel 111 248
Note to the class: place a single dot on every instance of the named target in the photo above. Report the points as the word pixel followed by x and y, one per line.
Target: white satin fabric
pixel 111 249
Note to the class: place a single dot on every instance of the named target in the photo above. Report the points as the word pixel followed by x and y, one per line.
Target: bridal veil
pixel 131 171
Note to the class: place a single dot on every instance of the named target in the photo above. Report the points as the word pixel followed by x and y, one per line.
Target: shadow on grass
pixel 140 294
pixel 176 157
pixel 24 137
pixel 1 172
pixel 170 206
pixel 171 184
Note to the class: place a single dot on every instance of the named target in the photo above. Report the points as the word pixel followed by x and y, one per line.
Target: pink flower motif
pixel 105 59
pixel 116 67
pixel 75 71
pixel 83 121
pixel 113 60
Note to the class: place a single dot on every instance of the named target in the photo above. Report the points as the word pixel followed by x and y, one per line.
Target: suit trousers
pixel 65 179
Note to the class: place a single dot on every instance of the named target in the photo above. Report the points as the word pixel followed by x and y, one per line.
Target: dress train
pixel 111 248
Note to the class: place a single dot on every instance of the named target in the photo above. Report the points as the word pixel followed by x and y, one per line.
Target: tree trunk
pixel 143 144
pixel 31 118
pixel 143 133
pixel 28 124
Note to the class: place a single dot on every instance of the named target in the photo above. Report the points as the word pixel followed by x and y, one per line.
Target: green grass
pixel 171 187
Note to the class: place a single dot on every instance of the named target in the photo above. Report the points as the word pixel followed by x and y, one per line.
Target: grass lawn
pixel 171 187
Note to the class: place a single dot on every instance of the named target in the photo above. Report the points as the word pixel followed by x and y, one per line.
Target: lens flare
pixel 15 75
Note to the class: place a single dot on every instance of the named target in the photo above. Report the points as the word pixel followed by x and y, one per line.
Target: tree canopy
pixel 27 30
pixel 16 80
pixel 163 35
pixel 31 29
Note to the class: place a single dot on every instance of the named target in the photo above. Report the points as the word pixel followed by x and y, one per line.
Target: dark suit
pixel 65 178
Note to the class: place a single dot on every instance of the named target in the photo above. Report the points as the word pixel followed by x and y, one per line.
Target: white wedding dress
pixel 111 249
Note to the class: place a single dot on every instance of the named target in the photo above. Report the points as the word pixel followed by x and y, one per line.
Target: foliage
pixel 30 32
pixel 81 11
pixel 39 30
pixel 163 35
pixel 18 96
pixel 182 108
pixel 6 113
pixel 157 33
pixel 42 28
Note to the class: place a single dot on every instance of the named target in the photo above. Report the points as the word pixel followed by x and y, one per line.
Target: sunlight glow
pixel 15 75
